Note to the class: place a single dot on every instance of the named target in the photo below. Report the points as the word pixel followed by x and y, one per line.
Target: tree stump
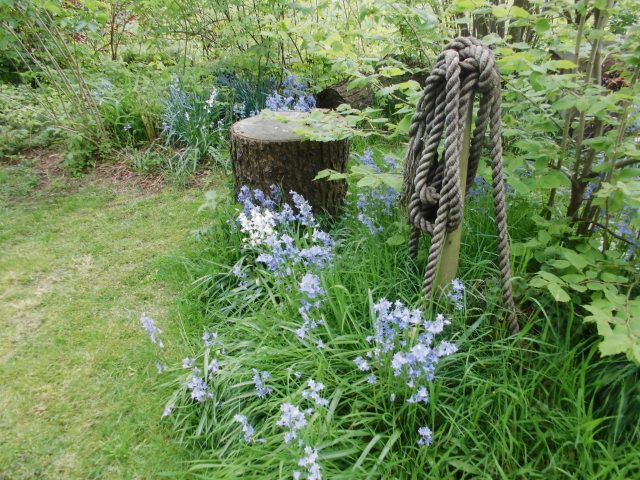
pixel 335 95
pixel 265 150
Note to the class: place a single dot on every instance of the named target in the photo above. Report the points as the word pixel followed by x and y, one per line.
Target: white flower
pixel 313 393
pixel 258 225
pixel 292 418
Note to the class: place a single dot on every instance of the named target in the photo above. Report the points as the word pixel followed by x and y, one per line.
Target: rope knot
pixel 432 185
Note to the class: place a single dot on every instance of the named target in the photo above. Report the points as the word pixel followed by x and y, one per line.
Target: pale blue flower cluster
pixel 456 295
pixel 313 393
pixel 414 360
pixel 479 187
pixel 426 437
pixel 294 96
pixel 273 231
pixel 367 160
pixel 210 339
pixel 200 391
pixel 312 292
pixel 247 428
pixel 259 381
pixel 293 419
pixel 377 200
pixel 150 327
pixel 310 462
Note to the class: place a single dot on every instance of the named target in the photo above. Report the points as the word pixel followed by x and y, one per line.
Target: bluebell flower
pixel 188 362
pixel 390 162
pixel 316 256
pixel 426 437
pixel 263 199
pixel 247 429
pixel 259 379
pixel 293 419
pixel 374 201
pixel 199 389
pixel 362 364
pixel 413 359
pixel 167 411
pixel 456 295
pixel 305 213
pixel 368 222
pixel 276 193
pixel 294 96
pixel 286 215
pixel 366 159
pixel 310 463
pixel 239 109
pixel 210 339
pixel 479 188
pixel 160 367
pixel 150 327
pixel 324 238
pixel 419 396
pixel 213 368
pixel 246 199
pixel 313 393
pixel 310 285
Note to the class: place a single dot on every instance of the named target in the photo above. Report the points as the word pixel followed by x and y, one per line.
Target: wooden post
pixel 450 258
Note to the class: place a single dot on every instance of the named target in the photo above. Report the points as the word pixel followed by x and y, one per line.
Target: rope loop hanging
pixel 432 187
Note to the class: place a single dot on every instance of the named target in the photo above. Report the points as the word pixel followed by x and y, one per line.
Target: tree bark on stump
pixel 266 151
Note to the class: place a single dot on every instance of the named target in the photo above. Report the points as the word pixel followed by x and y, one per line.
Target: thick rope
pixel 432 184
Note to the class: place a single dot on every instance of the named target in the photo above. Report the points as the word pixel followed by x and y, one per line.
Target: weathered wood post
pixel 266 150
pixel 450 259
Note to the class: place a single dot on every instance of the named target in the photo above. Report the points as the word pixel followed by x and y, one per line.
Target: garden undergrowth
pixel 530 406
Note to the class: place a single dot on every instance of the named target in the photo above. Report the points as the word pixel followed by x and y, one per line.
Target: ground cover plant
pixel 284 343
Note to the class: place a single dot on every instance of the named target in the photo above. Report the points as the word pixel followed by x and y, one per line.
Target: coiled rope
pixel 432 185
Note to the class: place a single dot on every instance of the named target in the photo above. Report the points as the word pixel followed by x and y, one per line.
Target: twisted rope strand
pixel 432 184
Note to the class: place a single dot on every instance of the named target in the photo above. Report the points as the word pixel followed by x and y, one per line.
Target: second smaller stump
pixel 265 150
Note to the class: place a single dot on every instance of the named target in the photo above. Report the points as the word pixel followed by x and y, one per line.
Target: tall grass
pixel 540 405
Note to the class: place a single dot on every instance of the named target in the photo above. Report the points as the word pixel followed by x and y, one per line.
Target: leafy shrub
pixel 198 122
pixel 249 93
pixel 130 105
pixel 80 154
pixel 24 121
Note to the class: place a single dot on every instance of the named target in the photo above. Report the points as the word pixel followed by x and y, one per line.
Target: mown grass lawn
pixel 78 266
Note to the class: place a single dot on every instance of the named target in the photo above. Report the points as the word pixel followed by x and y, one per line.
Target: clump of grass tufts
pixel 500 407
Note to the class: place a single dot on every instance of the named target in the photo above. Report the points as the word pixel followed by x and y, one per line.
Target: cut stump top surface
pixel 275 127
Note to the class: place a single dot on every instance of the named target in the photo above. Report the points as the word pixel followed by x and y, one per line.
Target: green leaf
pixel 582 103
pixel 323 174
pixel 611 278
pixel 554 179
pixel 403 126
pixel 568 101
pixel 392 180
pixel 577 260
pixel 499 11
pixel 396 239
pixel 519 12
pixel 368 181
pixel 560 264
pixel 563 64
pixel 558 294
pixel 573 278
pixel 542 25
